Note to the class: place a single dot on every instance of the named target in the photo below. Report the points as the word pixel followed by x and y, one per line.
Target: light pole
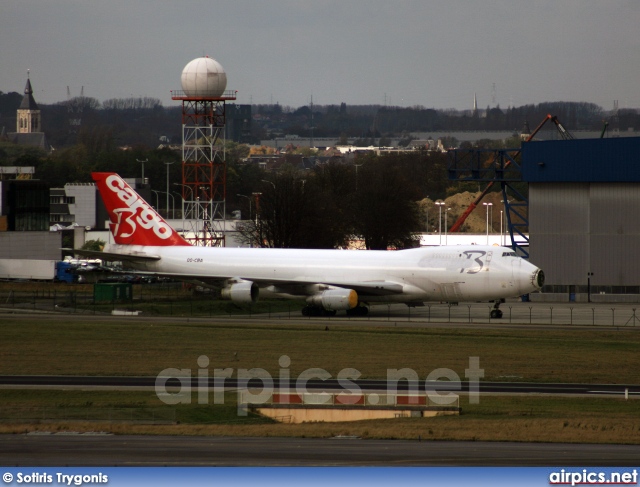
pixel 357 166
pixel 257 197
pixel 142 162
pixel 185 186
pixel 270 182
pixel 182 195
pixel 501 239
pixel 487 205
pixel 174 210
pixel 274 197
pixel 427 214
pixel 243 196
pixel 173 202
pixel 506 229
pixel 446 214
pixel 491 217
pixel 440 203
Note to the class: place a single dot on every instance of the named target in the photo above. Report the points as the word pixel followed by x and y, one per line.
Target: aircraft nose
pixel 538 278
pixel 530 278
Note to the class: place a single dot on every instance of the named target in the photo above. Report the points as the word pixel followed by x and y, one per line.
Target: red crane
pixel 564 133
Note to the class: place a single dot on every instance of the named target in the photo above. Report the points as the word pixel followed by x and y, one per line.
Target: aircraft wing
pixel 292 286
pixel 363 288
pixel 371 288
pixel 116 257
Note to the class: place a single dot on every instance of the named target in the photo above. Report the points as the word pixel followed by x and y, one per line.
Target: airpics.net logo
pixel 174 386
pixel 587 477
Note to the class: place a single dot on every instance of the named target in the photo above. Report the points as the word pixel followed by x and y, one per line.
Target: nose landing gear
pixel 496 312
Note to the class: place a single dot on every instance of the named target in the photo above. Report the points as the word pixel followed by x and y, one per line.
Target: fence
pixel 175 300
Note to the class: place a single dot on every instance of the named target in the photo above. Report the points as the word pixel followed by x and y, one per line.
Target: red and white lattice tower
pixel 203 98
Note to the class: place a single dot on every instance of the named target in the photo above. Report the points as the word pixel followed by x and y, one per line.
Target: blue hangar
pixel 584 217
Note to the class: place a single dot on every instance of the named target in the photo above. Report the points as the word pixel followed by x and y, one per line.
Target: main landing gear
pixel 358 311
pixel 496 312
pixel 311 310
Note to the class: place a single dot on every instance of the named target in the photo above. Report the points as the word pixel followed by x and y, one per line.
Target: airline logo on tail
pixel 133 221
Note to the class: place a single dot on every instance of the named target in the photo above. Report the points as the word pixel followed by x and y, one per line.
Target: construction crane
pixel 564 133
pixel 604 129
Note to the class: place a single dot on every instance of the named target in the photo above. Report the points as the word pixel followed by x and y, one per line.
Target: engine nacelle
pixel 335 299
pixel 241 292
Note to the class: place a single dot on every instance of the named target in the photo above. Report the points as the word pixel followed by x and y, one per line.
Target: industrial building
pixel 577 221
pixel 584 202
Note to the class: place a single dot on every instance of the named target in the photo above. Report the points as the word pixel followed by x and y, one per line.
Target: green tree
pixel 95 245
pixel 71 165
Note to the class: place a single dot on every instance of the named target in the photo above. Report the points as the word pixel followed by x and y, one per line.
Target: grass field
pixel 95 346
pixel 495 418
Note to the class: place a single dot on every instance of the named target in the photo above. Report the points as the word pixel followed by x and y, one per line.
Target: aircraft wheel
pixel 496 313
pixel 358 311
pixel 316 311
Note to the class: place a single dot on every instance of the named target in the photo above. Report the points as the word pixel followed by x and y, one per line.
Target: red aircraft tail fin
pixel 132 220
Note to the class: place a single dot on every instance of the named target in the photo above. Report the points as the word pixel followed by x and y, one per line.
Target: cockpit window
pixel 509 254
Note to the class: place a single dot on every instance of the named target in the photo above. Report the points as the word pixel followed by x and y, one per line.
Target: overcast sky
pixel 435 53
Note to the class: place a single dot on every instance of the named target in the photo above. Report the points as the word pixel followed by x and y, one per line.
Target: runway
pixel 316 385
pixel 106 450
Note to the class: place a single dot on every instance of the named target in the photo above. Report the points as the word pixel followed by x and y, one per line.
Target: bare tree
pixel 385 214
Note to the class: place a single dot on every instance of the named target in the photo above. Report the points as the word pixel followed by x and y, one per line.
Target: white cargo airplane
pixel 329 280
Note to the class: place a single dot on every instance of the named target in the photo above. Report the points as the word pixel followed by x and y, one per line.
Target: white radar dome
pixel 204 77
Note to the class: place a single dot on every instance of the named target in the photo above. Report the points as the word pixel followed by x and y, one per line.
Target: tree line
pixel 145 121
pixel 375 198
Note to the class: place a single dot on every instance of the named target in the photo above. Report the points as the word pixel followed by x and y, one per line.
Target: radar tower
pixel 203 98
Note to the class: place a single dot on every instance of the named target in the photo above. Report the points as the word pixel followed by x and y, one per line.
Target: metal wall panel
pixel 615 234
pixel 614 260
pixel 559 208
pixel 615 209
pixel 31 245
pixel 563 259
pixel 586 160
pixel 577 228
pixel 559 230
pixel 84 208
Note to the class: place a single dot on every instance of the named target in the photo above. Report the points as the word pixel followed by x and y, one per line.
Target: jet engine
pixel 335 299
pixel 241 292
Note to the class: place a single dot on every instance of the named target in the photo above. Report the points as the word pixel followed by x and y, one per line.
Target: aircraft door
pixel 515 270
pixel 488 259
pixel 451 292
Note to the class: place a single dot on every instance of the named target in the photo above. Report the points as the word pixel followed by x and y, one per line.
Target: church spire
pixel 28 119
